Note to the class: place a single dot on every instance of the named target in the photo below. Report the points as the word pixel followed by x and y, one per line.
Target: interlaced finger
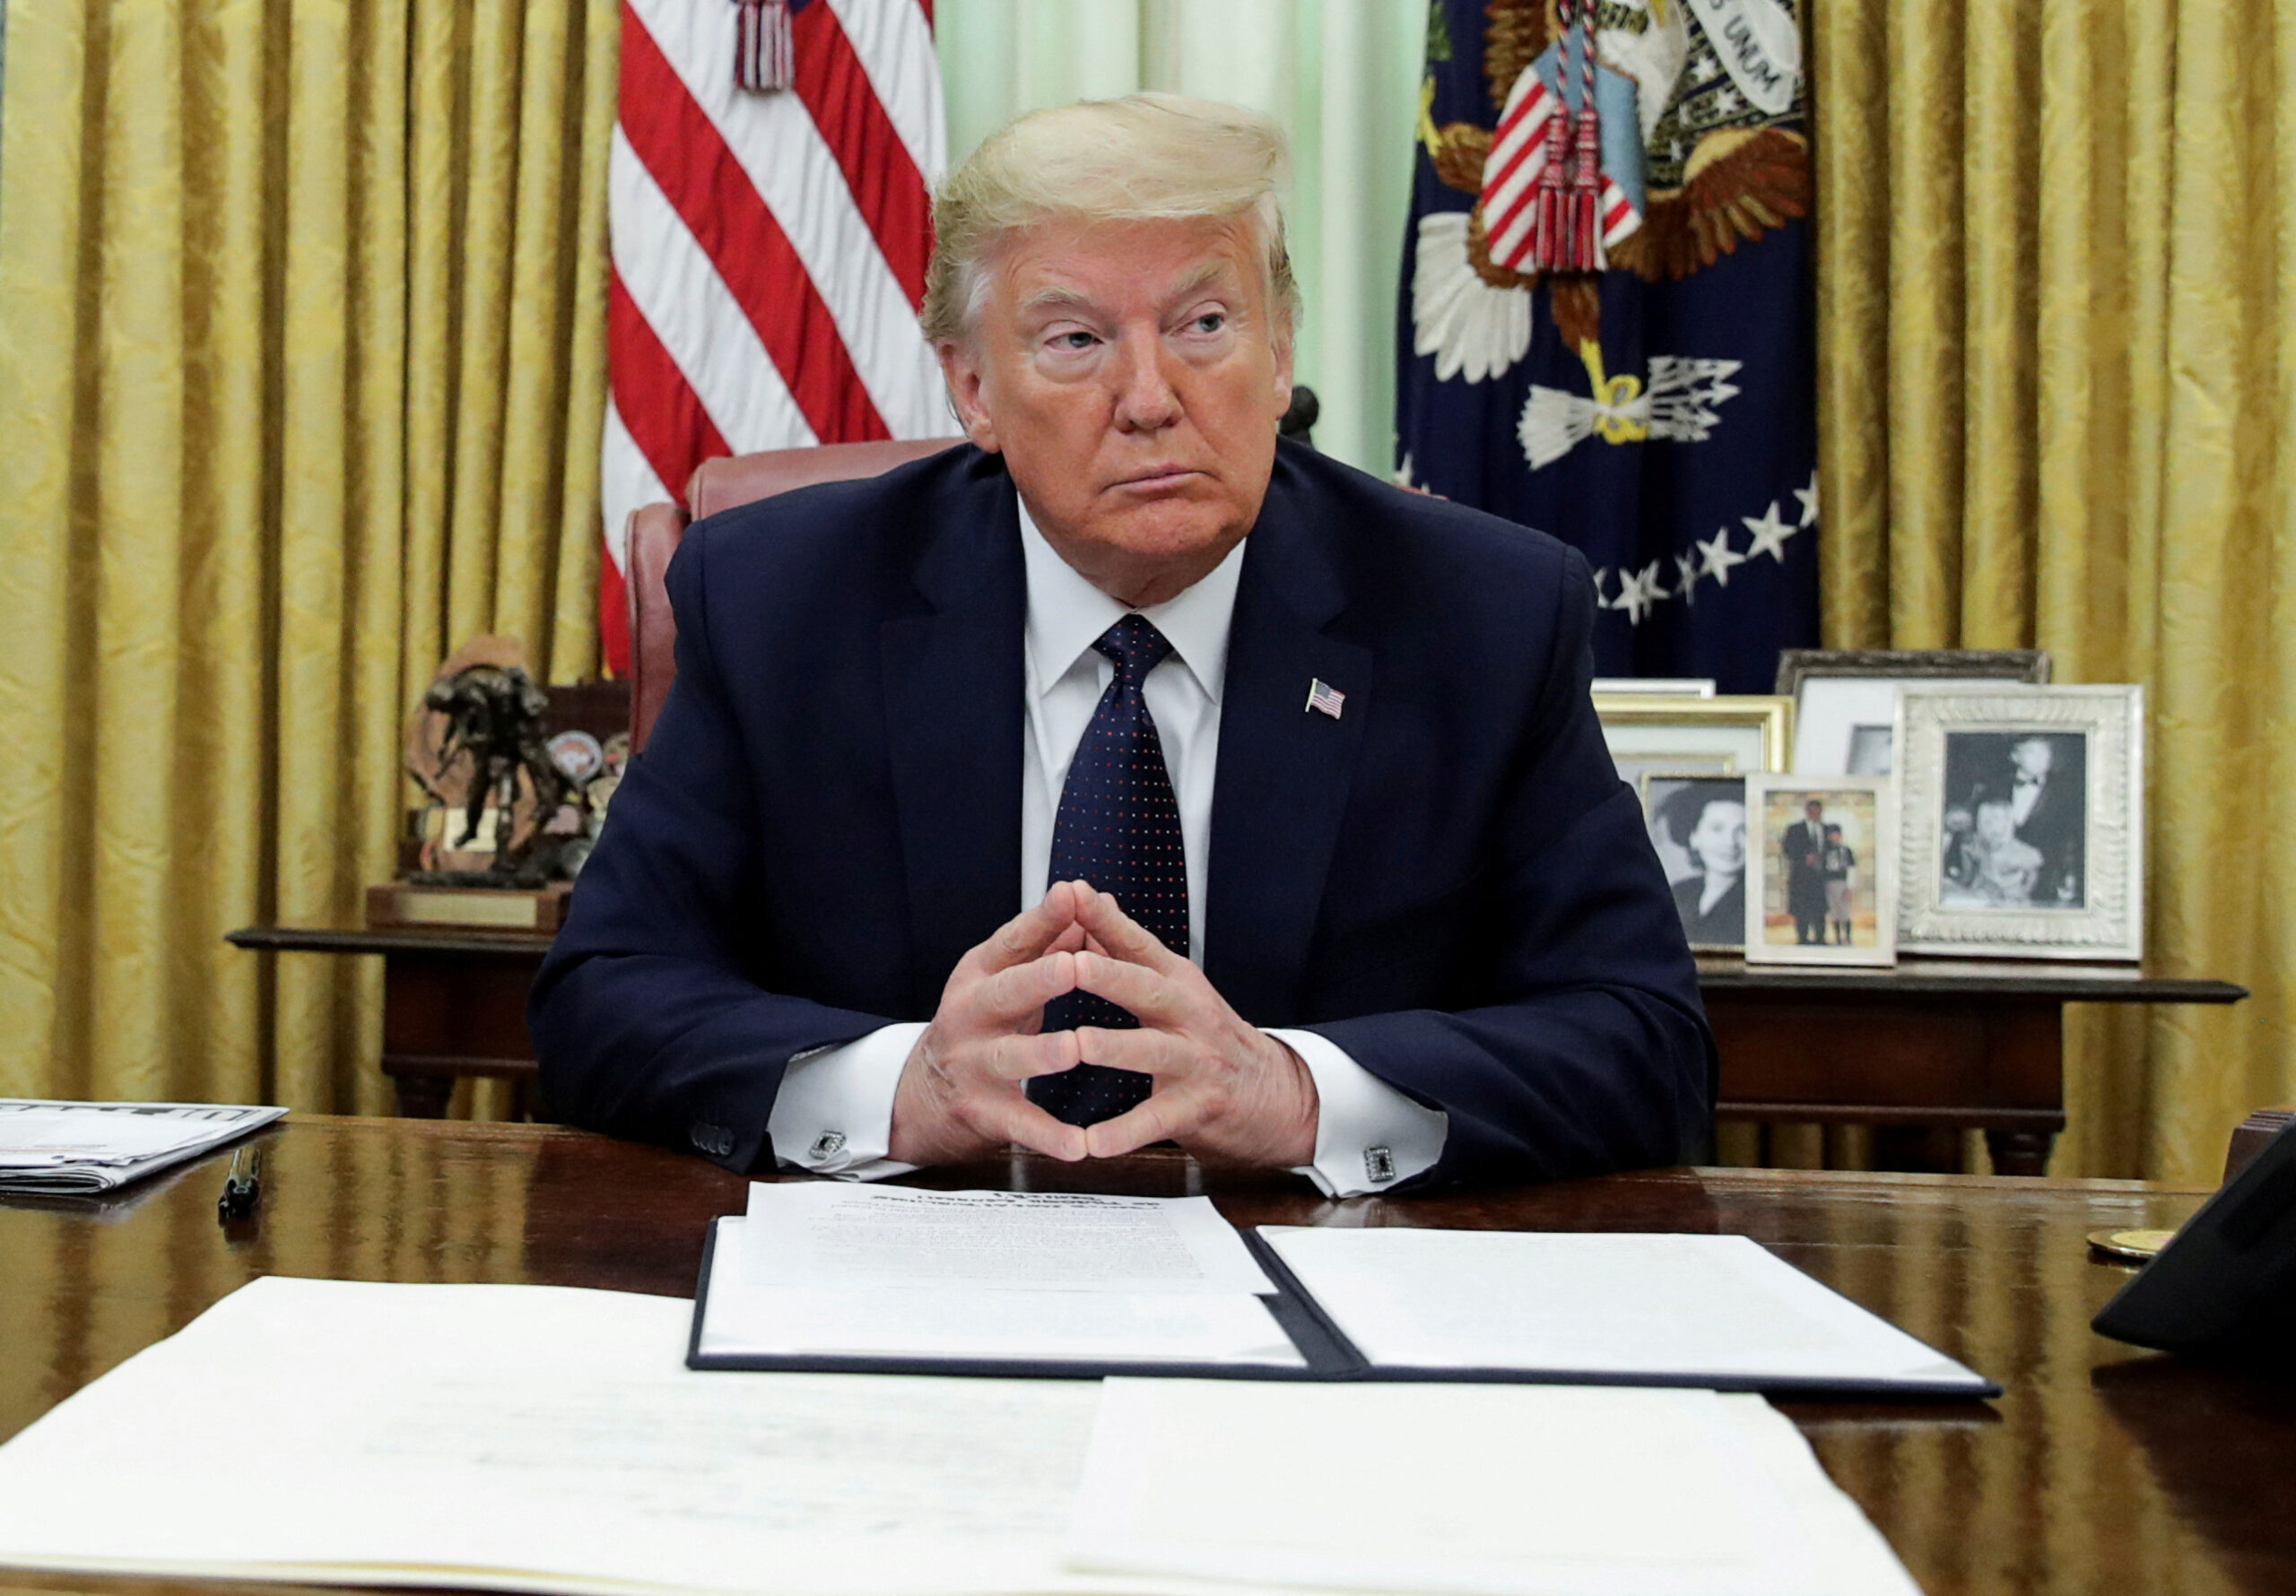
pixel 1168 1114
pixel 1122 936
pixel 1150 997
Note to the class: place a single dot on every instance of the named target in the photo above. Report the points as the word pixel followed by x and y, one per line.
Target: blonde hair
pixel 1145 157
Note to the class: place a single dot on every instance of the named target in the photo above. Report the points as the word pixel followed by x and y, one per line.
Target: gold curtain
pixel 2057 344
pixel 302 371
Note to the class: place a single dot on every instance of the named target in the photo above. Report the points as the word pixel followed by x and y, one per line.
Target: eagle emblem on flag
pixel 1606 327
pixel 1686 99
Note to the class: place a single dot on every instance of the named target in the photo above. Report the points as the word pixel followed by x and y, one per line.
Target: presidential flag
pixel 769 194
pixel 1606 321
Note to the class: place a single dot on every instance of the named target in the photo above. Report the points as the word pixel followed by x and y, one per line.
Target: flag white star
pixel 1686 575
pixel 1639 592
pixel 1769 533
pixel 1809 498
pixel 1718 556
pixel 1602 580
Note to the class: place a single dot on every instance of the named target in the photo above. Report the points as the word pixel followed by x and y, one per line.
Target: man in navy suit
pixel 1124 777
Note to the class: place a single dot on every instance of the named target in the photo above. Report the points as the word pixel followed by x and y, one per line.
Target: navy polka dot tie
pixel 1118 828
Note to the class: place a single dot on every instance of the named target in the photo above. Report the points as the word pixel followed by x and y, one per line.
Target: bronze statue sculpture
pixel 476 745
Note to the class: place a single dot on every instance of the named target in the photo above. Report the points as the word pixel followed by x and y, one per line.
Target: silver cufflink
pixel 828 1145
pixel 1378 1165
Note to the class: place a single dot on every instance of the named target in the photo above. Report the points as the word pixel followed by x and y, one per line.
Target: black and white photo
pixel 2023 820
pixel 1698 825
pixel 2015 803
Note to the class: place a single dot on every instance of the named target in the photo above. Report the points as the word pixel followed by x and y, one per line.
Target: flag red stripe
pixel 656 403
pixel 1493 229
pixel 679 145
pixel 887 186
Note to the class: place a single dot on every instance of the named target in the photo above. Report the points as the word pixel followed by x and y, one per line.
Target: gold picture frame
pixel 1746 734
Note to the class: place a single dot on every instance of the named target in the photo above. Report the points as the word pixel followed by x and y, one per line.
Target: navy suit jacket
pixel 1449 880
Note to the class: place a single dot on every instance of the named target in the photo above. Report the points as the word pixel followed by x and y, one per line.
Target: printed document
pixel 542 1438
pixel 1596 1305
pixel 817 1270
pixel 61 1149
pixel 812 1233
pixel 549 1439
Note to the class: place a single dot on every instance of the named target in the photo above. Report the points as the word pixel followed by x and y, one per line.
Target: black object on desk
pixel 2226 1286
pixel 242 1193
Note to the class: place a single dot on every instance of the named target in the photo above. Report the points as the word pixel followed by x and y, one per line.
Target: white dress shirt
pixel 834 1113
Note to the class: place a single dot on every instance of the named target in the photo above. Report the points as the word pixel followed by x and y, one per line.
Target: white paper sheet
pixel 815 1234
pixel 1596 1305
pixel 540 1438
pixel 60 1148
pixel 1514 1490
pixel 743 1318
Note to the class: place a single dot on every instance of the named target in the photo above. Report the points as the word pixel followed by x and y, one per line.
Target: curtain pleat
pixel 2057 329
pixel 301 353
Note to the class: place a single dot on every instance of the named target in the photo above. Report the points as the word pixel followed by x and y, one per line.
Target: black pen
pixel 242 1193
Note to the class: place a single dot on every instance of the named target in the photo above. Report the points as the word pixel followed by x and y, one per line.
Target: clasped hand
pixel 1222 1086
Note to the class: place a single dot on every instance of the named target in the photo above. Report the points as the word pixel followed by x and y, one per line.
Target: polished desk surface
pixel 2101 1469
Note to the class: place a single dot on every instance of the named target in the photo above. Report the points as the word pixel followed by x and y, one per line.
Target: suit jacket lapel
pixel 952 682
pixel 1284 769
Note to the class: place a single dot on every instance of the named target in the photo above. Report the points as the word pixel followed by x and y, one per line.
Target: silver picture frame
pixel 1978 872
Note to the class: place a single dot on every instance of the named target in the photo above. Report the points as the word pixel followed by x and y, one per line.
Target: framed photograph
pixel 2024 821
pixel 1698 825
pixel 1821 870
pixel 1671 687
pixel 1845 700
pixel 1649 733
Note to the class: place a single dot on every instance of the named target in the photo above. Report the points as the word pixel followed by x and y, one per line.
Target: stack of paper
pixel 544 1438
pixel 861 1272
pixel 58 1148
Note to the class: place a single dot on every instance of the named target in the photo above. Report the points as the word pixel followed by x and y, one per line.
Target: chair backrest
pixel 656 530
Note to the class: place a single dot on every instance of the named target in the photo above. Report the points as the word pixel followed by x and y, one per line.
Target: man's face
pixel 2033 757
pixel 1814 810
pixel 1132 373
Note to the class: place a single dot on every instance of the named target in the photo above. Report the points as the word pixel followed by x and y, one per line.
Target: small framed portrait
pixel 1650 733
pixel 1845 700
pixel 1822 870
pixel 2024 825
pixel 1698 825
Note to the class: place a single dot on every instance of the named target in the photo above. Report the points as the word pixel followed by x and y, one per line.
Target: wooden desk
pixel 2102 1470
pixel 1968 1045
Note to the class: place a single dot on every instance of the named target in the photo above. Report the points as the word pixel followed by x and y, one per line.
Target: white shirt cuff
pixel 834 1114
pixel 1368 1136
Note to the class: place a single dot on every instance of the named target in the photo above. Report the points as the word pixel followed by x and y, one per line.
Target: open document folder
pixel 825 1277
pixel 544 1438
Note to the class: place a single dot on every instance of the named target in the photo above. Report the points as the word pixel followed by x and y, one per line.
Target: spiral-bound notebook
pixel 827 1277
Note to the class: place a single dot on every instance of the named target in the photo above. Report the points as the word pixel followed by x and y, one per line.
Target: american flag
pixel 768 248
pixel 1324 697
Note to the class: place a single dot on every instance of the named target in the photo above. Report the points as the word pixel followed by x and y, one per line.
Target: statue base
pixel 473 908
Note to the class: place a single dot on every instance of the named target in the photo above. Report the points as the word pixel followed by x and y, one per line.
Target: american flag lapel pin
pixel 1324 697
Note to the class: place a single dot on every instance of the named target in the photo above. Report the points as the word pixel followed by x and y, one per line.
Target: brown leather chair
pixel 656 530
